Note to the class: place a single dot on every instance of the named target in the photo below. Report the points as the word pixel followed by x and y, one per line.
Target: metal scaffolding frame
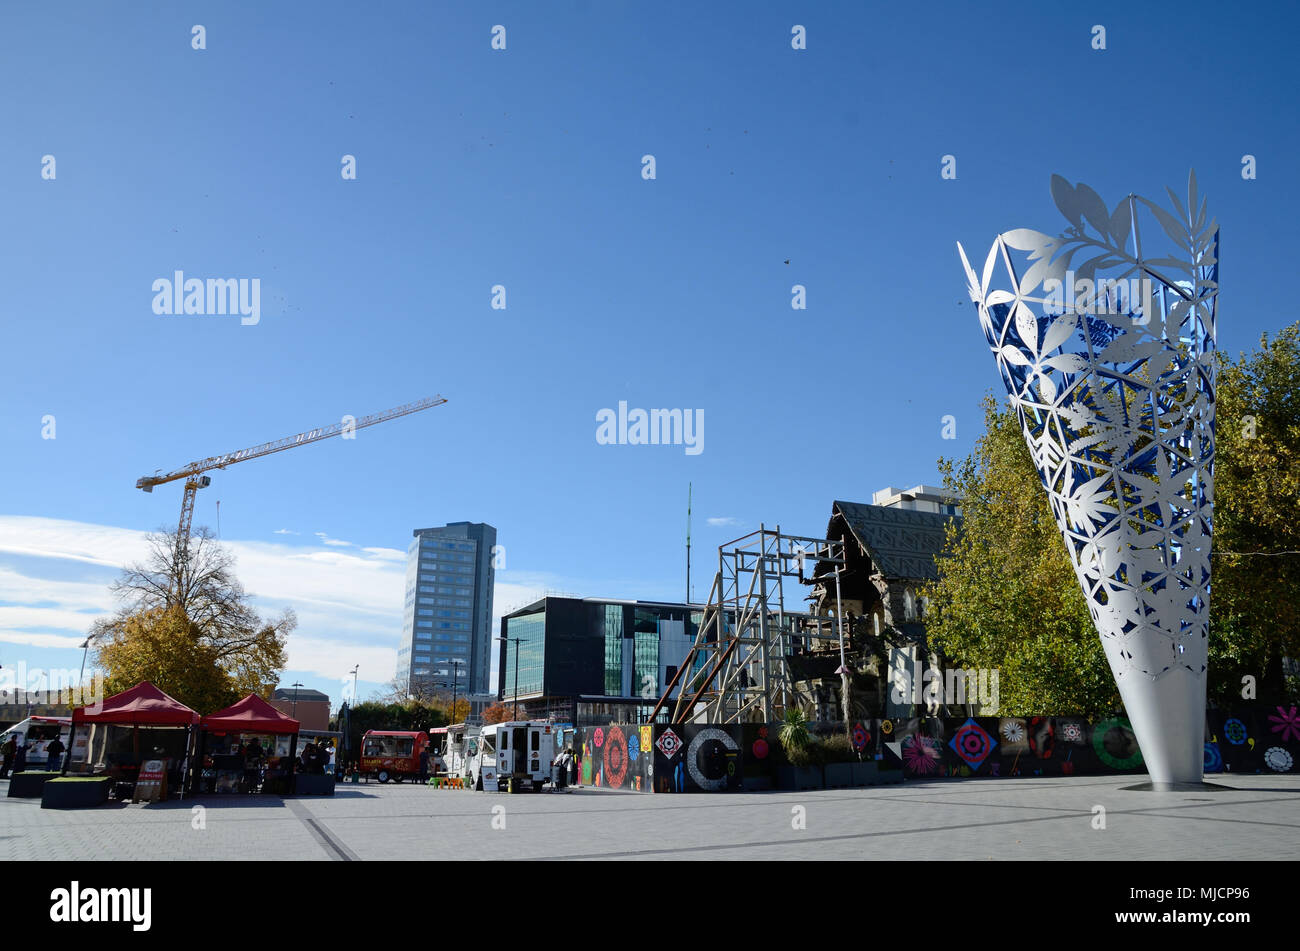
pixel 736 670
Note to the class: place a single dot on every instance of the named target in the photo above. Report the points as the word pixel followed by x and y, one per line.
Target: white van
pixel 519 750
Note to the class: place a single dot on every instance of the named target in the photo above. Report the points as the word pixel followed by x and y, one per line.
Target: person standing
pixel 424 767
pixel 20 756
pixel 55 753
pixel 7 753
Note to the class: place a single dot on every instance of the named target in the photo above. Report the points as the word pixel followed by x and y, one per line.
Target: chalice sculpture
pixel 1104 336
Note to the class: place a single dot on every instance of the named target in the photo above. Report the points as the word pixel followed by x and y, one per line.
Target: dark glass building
pixel 567 655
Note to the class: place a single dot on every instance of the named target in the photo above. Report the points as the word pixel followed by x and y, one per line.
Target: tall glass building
pixel 447 624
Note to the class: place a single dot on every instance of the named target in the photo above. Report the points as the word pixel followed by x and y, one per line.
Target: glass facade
pixel 454 562
pixel 530 650
pixel 613 631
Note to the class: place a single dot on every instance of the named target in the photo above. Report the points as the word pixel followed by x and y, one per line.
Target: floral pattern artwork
pixel 1288 723
pixel 1278 759
pixel 1114 389
pixel 921 755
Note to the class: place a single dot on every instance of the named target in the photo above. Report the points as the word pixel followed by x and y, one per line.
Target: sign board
pixel 151 783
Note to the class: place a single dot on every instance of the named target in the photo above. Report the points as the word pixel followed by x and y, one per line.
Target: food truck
pixel 512 755
pixel 35 733
pixel 393 754
pixel 451 748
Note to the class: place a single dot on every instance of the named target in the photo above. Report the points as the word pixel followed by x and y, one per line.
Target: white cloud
pixel 55 575
pixel 285 531
pixel 724 521
pixel 333 541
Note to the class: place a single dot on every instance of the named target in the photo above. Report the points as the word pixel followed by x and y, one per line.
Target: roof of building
pixel 902 543
pixel 301 694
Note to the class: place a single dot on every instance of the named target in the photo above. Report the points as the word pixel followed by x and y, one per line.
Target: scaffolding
pixel 737 669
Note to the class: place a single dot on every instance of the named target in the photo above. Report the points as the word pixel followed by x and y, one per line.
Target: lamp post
pixel 516 641
pixel 295 698
pixel 85 649
pixel 456 664
pixel 354 683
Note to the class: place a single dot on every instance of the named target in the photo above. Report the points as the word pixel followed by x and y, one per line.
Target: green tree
pixel 1255 589
pixel 194 614
pixel 165 647
pixel 1007 598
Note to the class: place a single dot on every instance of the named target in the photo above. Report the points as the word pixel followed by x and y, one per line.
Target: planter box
pixel 801 777
pixel 308 785
pixel 75 793
pixel 756 783
pixel 840 775
pixel 28 784
pixel 870 774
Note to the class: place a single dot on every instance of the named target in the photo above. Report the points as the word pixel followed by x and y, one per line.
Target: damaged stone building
pixel 890 547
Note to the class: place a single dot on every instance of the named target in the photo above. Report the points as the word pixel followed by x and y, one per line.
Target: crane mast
pixel 194 477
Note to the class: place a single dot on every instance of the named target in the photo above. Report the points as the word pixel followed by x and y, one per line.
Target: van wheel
pixel 382 776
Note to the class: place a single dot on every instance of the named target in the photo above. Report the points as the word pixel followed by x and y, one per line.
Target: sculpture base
pixel 1178 787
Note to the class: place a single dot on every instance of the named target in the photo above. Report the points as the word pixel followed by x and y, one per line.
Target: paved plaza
pixel 1250 817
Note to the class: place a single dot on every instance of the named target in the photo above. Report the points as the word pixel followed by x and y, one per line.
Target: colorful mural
pixel 696 757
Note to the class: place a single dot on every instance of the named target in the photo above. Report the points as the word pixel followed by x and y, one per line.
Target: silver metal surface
pixel 1104 338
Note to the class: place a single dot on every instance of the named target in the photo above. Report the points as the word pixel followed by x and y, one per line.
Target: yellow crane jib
pixel 195 480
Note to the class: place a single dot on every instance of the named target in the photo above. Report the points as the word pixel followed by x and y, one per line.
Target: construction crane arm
pixel 289 442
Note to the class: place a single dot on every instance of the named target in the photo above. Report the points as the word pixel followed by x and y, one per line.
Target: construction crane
pixel 195 479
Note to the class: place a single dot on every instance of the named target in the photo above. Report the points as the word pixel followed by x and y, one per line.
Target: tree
pixel 498 713
pixel 191 598
pixel 1255 589
pixel 1007 597
pixel 163 646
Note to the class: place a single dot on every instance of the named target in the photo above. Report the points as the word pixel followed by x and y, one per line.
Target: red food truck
pixel 393 754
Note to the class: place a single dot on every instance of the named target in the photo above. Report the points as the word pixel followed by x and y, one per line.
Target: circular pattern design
pixel 1042 737
pixel 1278 759
pixel 760 749
pixel 1013 731
pixel 1234 731
pixel 711 745
pixel 598 738
pixel 886 727
pixel 972 743
pixel 1115 744
pixel 1213 759
pixel 1072 732
pixel 669 743
pixel 861 737
pixel 615 757
pixel 920 755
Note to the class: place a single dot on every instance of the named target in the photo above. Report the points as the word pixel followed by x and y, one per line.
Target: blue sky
pixel 522 167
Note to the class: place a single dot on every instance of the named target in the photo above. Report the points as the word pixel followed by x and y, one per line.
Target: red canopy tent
pixel 250 715
pixel 144 704
pixel 253 715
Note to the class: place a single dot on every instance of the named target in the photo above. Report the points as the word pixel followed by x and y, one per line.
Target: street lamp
pixel 456 665
pixel 516 641
pixel 354 684
pixel 85 649
pixel 295 699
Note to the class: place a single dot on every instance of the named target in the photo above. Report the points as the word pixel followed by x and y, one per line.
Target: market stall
pixel 247 747
pixel 138 728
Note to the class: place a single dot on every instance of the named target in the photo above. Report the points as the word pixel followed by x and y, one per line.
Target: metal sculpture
pixel 1106 350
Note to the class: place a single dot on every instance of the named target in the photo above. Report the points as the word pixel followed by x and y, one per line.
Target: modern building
pixel 592 658
pixel 447 624
pixel 310 708
pixel 920 498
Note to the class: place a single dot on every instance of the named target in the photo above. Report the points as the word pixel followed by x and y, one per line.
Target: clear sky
pixel 522 168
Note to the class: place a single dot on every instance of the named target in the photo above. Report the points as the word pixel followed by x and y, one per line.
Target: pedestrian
pixel 20 757
pixel 424 766
pixel 55 752
pixel 7 753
